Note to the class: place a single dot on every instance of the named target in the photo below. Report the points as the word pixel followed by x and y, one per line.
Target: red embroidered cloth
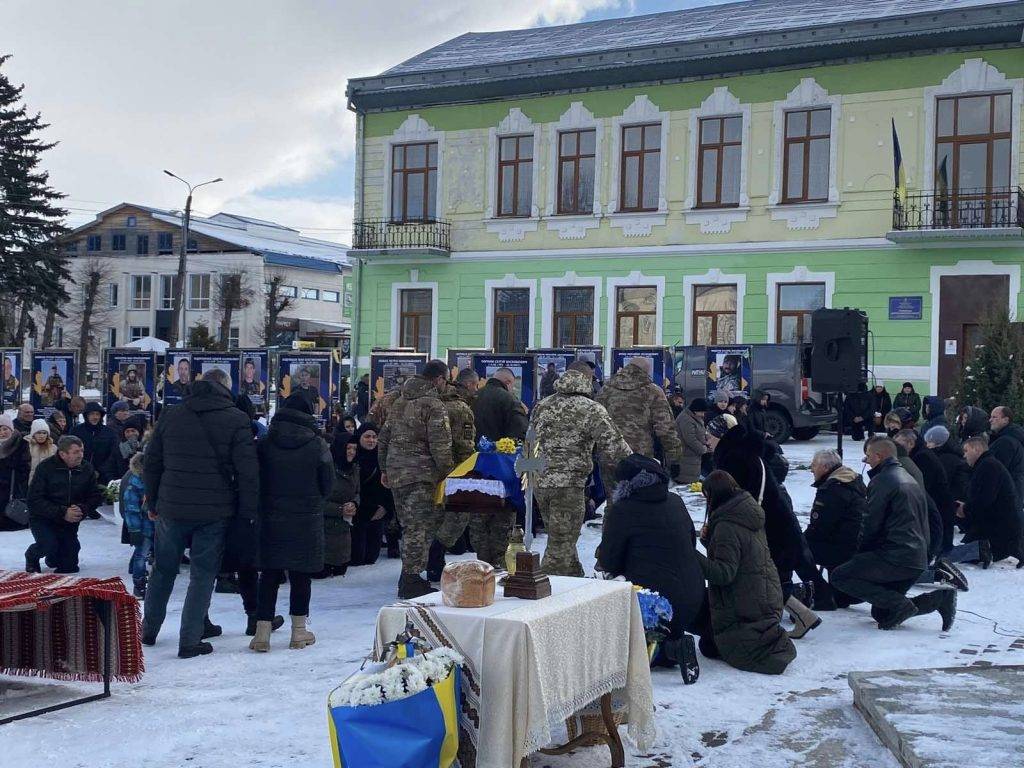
pixel 49 627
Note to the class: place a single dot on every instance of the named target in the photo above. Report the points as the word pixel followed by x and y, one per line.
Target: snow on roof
pixel 684 26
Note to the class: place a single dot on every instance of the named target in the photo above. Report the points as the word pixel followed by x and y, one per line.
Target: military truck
pixel 782 370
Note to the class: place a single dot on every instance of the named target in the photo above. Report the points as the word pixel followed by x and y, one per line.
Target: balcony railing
pixel 383 234
pixel 999 207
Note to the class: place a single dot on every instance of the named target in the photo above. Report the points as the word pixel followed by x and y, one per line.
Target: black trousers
pixel 366 541
pixel 248 589
pixel 868 577
pixel 299 593
pixel 57 541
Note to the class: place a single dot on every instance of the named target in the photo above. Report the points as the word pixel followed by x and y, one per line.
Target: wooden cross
pixel 529 464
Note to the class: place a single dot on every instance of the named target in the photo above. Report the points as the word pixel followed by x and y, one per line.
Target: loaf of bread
pixel 467 584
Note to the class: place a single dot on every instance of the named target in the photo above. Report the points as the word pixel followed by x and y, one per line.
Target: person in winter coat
pixel 639 409
pixel 376 504
pixel 971 422
pixel 40 445
pixel 858 413
pixel 128 445
pixel 958 473
pixel 757 411
pixel 62 492
pixel 570 427
pixel 909 399
pixel 881 404
pixel 140 527
pixel 1007 445
pixel 934 412
pixel 693 438
pixel 296 476
pixel 362 406
pixel 936 485
pixel 995 524
pixel 497 412
pixel 341 507
pixel 100 443
pixel 893 549
pixel 15 466
pixel 745 596
pixel 58 423
pixel 201 475
pixel 840 503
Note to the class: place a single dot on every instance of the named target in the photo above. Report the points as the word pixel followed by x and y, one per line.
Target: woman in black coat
pixel 649 538
pixel 296 475
pixel 376 504
pixel 15 462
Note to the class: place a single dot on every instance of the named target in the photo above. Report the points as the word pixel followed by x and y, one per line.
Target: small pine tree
pixel 199 337
pixel 992 371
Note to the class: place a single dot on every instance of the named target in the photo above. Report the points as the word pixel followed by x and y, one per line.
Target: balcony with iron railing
pixel 386 235
pixel 994 212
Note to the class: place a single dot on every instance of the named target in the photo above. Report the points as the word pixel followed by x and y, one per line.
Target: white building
pixel 136 247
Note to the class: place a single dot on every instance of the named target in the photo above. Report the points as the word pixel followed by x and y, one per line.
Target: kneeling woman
pixel 296 475
pixel 745 594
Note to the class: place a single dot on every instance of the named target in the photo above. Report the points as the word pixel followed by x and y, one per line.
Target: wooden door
pixel 964 300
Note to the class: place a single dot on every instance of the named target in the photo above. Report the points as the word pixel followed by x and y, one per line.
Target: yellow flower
pixel 506 445
pixel 696 487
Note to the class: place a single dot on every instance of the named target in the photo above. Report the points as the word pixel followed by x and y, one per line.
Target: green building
pixel 701 176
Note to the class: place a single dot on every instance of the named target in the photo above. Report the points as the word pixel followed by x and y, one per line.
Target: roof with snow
pixel 751 35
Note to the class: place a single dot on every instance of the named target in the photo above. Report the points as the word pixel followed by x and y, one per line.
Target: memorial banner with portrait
pixel 177 375
pixel 656 356
pixel 54 380
pixel 307 373
pixel 728 370
pixel 12 395
pixel 462 358
pixel 550 365
pixel 254 377
pixel 591 354
pixel 389 370
pixel 129 376
pixel 523 367
pixel 204 362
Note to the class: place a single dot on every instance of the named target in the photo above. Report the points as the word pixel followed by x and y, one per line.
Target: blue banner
pixel 54 380
pixel 656 355
pixel 522 367
pixel 12 376
pixel 906 307
pixel 204 362
pixel 177 375
pixel 310 372
pixel 254 377
pixel 129 375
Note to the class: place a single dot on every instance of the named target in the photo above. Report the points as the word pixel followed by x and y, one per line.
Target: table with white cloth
pixel 531 664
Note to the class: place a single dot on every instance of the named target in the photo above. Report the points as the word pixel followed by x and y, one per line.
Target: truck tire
pixel 778 425
pixel 805 433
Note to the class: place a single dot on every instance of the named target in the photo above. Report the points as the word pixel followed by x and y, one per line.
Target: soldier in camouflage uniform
pixel 640 409
pixel 570 427
pixel 415 452
pixel 381 408
pixel 457 399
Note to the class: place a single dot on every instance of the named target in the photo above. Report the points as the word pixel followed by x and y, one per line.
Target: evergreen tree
pixel 992 371
pixel 199 337
pixel 33 271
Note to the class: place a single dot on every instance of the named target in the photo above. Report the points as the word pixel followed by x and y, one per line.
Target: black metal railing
pixel 965 209
pixel 373 234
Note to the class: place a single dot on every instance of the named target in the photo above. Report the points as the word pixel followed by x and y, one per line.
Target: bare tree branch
pixel 234 292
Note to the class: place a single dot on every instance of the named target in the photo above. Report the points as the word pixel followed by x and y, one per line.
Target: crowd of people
pixel 248 507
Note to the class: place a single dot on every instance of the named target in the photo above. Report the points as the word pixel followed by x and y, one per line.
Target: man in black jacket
pixel 859 413
pixel 497 412
pixel 936 485
pixel 837 513
pixel 201 471
pixel 100 442
pixel 1007 445
pixel 62 492
pixel 992 512
pixel 893 548
pixel 958 473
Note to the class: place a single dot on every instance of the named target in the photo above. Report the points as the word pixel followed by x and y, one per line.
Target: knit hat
pixel 117 407
pixel 721 424
pixel 721 396
pixel 698 405
pixel 40 425
pixel 6 421
pixel 299 402
pixel 937 435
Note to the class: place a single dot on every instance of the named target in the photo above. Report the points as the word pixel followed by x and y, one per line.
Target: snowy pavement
pixel 236 707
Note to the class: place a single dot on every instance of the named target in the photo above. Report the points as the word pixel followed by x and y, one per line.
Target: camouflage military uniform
pixel 570 426
pixel 415 450
pixel 381 408
pixel 460 416
pixel 640 410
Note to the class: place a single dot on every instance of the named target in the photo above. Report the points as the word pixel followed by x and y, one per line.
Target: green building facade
pixel 678 185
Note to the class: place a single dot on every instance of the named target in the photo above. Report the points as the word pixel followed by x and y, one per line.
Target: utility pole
pixel 177 333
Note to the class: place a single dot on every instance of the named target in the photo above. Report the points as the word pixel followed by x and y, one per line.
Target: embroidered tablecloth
pixel 533 663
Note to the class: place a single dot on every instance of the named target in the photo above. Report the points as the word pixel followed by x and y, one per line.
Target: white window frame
pixel 638 224
pixel 396 311
pixel 132 336
pixel 137 302
pixel 168 301
pixel 310 294
pixel 718 221
pixel 512 229
pixel 113 291
pixel 574 226
pixel 335 294
pixel 713 276
pixel 635 278
pixel 415 130
pixel 799 275
pixel 199 302
pixel 508 281
pixel 547 303
pixel 288 291
pixel 973 77
pixel 111 337
pixel 802 216
pixel 234 337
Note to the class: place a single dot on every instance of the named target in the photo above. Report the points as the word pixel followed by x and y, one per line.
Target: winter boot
pixel 191 651
pixel 686 655
pixel 804 592
pixel 250 623
pixel 226 584
pixel 824 599
pixel 804 618
pixel 947 609
pixel 139 589
pixel 261 640
pixel 301 637
pixel 210 629
pixel 412 585
pixel 985 547
pixel 435 561
pixel 947 573
pixel 893 619
pixel 32 560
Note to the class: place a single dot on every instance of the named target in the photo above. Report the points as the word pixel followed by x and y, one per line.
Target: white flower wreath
pixel 401 681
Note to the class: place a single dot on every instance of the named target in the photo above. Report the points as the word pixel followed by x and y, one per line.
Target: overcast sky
pixel 250 90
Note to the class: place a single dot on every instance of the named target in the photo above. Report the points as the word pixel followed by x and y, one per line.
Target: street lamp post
pixel 177 332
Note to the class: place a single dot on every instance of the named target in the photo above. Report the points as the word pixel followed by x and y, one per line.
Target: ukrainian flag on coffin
pixel 421 731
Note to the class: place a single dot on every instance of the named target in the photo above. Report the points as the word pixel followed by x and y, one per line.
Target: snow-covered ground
pixel 236 707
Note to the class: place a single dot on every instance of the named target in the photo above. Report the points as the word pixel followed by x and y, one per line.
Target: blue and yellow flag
pixel 898 171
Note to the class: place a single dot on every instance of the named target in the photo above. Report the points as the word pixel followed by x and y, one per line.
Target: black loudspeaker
pixel 839 349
